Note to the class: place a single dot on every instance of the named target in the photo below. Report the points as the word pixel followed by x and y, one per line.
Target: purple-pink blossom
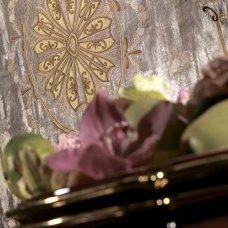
pixel 110 145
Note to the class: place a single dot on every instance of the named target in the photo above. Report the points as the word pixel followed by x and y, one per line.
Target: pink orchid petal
pixel 150 131
pixel 97 164
pixel 144 152
pixel 64 161
pixel 110 145
pixel 183 96
pixel 68 141
pixel 100 115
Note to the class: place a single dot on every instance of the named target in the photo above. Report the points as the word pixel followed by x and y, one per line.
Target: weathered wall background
pixel 170 38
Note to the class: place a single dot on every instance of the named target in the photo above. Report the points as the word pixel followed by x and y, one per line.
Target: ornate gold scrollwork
pixel 218 18
pixel 76 47
pixel 75 51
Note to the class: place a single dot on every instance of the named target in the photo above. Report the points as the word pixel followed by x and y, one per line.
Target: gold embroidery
pixel 77 50
pixel 76 45
pixel 47 45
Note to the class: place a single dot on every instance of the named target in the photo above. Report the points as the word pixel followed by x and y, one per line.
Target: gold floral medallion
pixel 73 49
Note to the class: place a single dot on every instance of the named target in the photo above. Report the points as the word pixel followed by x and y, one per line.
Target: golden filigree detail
pixel 218 18
pixel 75 54
pixel 73 46
pixel 70 5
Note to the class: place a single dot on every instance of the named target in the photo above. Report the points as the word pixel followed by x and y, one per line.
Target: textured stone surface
pixel 170 38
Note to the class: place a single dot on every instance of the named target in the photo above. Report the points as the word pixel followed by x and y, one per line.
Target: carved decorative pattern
pixel 73 47
pixel 75 51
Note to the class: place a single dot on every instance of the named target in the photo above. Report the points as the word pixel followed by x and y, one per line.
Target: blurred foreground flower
pixel 24 166
pixel 208 132
pixel 206 112
pixel 143 96
pixel 114 141
pixel 151 87
pixel 183 96
pixel 109 143
pixel 68 141
pixel 209 90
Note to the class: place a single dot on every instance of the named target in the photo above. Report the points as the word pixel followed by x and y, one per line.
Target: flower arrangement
pixel 142 128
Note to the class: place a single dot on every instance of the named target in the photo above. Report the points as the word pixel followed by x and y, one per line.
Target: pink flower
pixel 109 144
pixel 68 141
pixel 183 96
pixel 64 157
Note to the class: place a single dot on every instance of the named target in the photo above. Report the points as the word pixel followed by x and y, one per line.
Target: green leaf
pixel 151 87
pixel 138 109
pixel 209 131
pixel 134 94
pixel 151 83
